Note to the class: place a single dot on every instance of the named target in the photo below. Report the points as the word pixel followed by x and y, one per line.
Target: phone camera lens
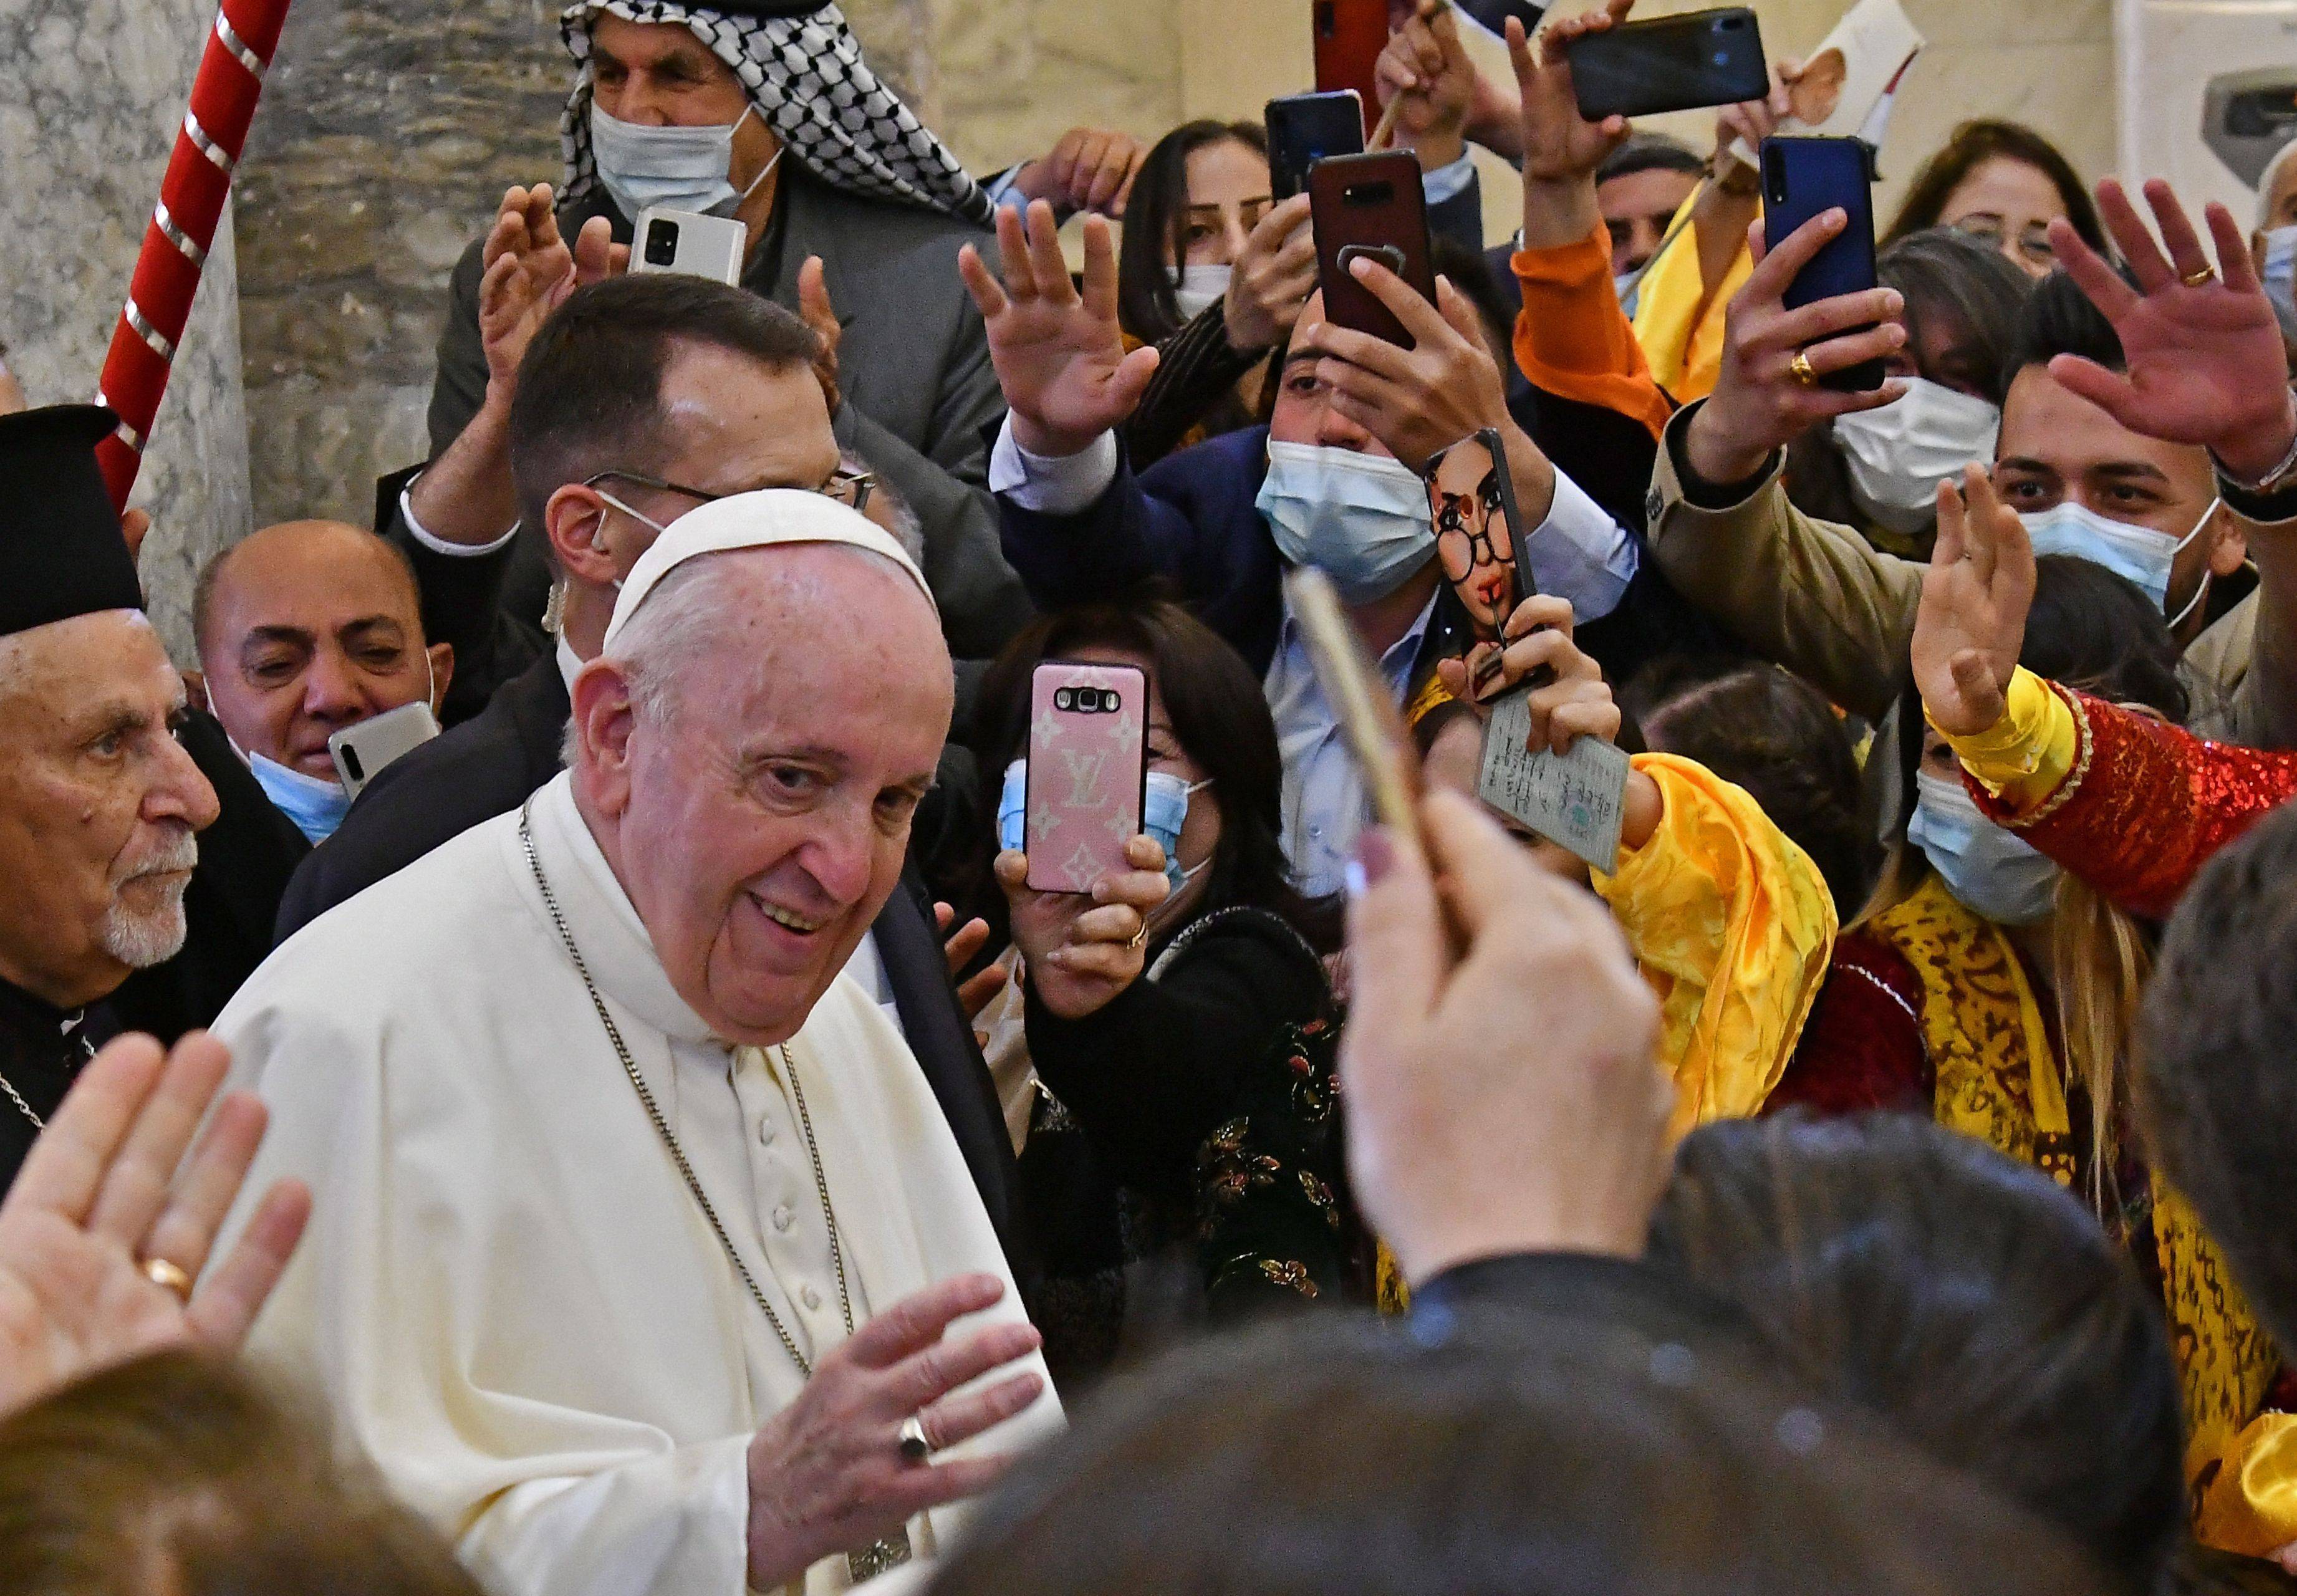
pixel 1722 58
pixel 661 243
pixel 1065 698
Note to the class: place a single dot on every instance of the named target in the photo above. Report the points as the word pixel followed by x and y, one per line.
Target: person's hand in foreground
pixel 828 1474
pixel 107 1189
pixel 1976 592
pixel 1503 1092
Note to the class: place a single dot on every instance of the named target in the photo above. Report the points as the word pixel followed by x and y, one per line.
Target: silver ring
pixel 915 1447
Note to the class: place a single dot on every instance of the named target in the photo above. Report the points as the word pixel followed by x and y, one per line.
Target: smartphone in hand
pixel 1088 772
pixel 1804 177
pixel 1370 205
pixel 1688 62
pixel 1303 129
pixel 686 241
pixel 1471 506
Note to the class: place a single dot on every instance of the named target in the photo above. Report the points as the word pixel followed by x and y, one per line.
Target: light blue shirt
pixel 1325 804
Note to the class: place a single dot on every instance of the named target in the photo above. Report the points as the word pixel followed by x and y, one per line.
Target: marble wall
pixel 89 107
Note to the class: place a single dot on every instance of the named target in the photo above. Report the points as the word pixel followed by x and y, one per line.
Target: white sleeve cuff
pixel 439 546
pixel 1051 484
pixel 1448 182
pixel 1581 553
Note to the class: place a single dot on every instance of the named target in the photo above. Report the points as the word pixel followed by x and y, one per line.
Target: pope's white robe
pixel 508 1297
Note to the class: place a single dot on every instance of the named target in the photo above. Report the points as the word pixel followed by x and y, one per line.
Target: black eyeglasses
pixel 850 489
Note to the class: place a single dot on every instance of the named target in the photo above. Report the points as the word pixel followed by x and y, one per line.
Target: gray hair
pixel 689 614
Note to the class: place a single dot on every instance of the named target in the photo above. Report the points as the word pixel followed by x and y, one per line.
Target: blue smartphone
pixel 1806 177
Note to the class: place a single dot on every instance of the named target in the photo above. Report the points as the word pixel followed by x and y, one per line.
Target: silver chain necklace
pixel 17 1097
pixel 879 1556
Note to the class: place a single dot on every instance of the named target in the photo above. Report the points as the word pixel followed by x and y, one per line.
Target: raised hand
pixel 1082 949
pixel 1272 278
pixel 827 1473
pixel 1976 592
pixel 1423 399
pixel 2204 356
pixel 814 308
pixel 1760 405
pixel 1573 701
pixel 528 269
pixel 1559 145
pixel 1425 73
pixel 1507 1098
pixel 1088 169
pixel 960 947
pixel 105 1187
pixel 1060 355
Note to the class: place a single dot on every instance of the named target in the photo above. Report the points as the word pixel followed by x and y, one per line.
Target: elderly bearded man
pixel 98 800
pixel 609 1161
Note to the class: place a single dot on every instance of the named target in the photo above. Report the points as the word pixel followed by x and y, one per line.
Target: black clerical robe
pixel 41 1050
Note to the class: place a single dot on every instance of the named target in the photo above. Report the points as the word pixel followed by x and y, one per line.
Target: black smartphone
pixel 1804 177
pixel 1492 15
pixel 1370 205
pixel 1700 59
pixel 1304 128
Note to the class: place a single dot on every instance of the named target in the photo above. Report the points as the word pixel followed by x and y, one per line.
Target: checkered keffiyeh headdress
pixel 806 77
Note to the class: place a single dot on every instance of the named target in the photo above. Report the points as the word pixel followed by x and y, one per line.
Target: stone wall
pixel 89 107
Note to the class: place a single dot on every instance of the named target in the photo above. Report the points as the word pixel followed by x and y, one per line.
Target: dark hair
pixel 1950 274
pixel 1649 153
pixel 1153 216
pixel 1220 717
pixel 1774 735
pixel 1485 1454
pixel 1965 1298
pixel 2061 320
pixel 1472 275
pixel 590 384
pixel 1971 147
pixel 177 1473
pixel 2215 1094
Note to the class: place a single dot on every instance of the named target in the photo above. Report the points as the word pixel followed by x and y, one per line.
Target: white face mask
pixel 1899 454
pixel 1196 289
pixel 681 168
pixel 2139 553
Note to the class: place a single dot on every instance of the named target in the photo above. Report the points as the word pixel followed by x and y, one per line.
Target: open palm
pixel 1059 354
pixel 2205 362
pixel 1976 593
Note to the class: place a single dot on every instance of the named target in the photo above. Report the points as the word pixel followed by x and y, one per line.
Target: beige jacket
pixel 1822 601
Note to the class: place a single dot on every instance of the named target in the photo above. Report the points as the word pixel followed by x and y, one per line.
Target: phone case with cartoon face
pixel 1088 772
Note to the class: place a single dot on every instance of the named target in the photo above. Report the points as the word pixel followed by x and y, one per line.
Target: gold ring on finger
pixel 1140 936
pixel 168 1276
pixel 2200 276
pixel 1802 371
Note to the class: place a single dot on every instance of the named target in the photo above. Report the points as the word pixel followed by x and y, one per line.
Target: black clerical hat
pixel 60 550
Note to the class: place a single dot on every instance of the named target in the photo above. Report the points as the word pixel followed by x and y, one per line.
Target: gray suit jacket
pixel 913 364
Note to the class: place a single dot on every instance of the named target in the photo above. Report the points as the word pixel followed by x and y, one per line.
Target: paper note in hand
pixel 1577 800
pixel 1847 85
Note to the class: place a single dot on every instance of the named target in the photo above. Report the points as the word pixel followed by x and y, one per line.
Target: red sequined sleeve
pixel 2146 805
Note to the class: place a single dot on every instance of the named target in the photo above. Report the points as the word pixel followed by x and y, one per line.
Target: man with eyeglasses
pixel 641 398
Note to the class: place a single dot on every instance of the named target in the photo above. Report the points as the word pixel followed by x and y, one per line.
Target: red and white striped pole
pixel 182 228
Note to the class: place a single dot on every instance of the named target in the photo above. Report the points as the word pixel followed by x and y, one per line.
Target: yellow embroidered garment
pixel 1998 1080
pixel 1732 926
pixel 1679 324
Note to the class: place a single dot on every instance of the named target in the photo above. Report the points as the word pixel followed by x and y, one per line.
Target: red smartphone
pixel 1370 205
pixel 1350 35
pixel 1088 772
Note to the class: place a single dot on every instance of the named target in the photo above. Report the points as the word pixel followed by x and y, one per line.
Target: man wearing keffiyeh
pixel 763 110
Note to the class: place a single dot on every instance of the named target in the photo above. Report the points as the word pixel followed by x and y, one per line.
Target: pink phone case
pixel 1087 768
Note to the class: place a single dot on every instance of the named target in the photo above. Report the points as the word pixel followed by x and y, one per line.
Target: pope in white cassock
pixel 609 1159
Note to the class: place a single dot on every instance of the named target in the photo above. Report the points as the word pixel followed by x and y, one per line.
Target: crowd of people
pixel 665 1133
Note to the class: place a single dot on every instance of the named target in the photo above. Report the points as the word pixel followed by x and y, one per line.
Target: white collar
pixel 600 917
pixel 570 664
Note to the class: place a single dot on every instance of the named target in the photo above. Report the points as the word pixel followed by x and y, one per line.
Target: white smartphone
pixel 362 750
pixel 687 241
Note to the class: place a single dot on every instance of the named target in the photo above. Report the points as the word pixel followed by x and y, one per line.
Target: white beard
pixel 140 938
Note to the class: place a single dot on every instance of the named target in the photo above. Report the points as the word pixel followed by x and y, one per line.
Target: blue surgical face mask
pixel 2139 553
pixel 1360 519
pixel 682 169
pixel 1165 810
pixel 2280 274
pixel 1989 870
pixel 317 807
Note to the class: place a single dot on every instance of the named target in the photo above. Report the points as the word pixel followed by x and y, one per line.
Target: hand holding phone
pixel 1803 178
pixel 1371 206
pixel 1471 506
pixel 1688 62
